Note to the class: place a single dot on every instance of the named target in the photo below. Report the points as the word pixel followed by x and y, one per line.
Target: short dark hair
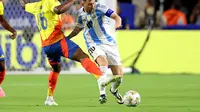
pixel 151 2
pixel 176 5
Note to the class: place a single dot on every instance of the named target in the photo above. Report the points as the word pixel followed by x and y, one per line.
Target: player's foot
pixel 107 80
pixel 2 94
pixel 102 99
pixel 117 96
pixel 50 101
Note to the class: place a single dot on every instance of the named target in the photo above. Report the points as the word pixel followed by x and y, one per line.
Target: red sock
pixel 91 67
pixel 2 76
pixel 53 77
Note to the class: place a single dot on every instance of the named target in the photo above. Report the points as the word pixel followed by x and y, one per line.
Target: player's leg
pixel 53 55
pixel 53 77
pixel 116 68
pixel 100 58
pixel 74 52
pixel 77 54
pixel 86 62
pixel 103 80
pixel 103 65
pixel 2 71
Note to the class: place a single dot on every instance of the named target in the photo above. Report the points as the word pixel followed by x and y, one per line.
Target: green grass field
pixel 79 93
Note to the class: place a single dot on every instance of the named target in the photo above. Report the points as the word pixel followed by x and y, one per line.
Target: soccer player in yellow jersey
pixel 5 24
pixel 48 18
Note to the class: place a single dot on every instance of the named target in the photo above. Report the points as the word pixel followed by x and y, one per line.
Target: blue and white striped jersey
pixel 98 26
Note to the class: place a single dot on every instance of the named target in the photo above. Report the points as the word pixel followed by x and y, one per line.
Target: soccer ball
pixel 132 98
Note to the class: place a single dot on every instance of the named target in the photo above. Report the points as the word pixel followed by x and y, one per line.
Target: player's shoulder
pixel 1 5
pixel 81 12
pixel 100 6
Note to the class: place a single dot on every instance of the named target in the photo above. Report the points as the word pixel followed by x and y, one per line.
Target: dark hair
pixel 151 2
pixel 176 6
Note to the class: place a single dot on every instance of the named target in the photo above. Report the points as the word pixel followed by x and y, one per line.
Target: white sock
pixel 115 85
pixel 103 70
pixel 49 98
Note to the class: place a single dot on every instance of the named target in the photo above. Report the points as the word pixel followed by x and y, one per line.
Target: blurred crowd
pixel 164 13
pixel 136 14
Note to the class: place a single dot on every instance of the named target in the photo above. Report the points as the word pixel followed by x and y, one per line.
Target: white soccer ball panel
pixel 132 98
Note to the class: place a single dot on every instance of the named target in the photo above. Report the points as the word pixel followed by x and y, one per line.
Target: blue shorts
pixel 2 57
pixel 64 47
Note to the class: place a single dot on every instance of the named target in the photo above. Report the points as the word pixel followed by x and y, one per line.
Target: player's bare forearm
pixel 75 32
pixel 64 7
pixel 118 20
pixel 5 24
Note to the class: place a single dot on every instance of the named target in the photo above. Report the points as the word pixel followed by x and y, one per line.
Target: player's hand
pixel 13 35
pixel 118 27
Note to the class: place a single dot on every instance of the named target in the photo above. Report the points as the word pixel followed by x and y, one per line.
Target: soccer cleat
pixel 117 96
pixel 2 94
pixel 102 99
pixel 50 102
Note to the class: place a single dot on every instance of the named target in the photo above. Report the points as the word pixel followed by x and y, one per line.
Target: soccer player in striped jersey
pixel 5 24
pixel 48 18
pixel 96 20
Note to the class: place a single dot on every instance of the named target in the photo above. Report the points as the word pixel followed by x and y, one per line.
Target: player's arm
pixel 29 7
pixel 75 32
pixel 79 27
pixel 63 7
pixel 117 18
pixel 5 24
pixel 112 14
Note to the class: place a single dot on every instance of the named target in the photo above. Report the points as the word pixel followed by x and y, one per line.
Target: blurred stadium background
pixel 173 48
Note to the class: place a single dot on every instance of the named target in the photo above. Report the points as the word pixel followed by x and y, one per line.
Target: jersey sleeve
pixel 105 9
pixel 53 4
pixel 31 7
pixel 1 8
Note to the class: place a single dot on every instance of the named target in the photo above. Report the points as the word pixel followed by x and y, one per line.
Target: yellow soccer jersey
pixel 48 22
pixel 1 8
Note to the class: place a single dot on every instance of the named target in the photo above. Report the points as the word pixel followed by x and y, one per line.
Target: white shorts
pixel 109 51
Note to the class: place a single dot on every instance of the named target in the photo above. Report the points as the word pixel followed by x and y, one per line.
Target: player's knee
pixel 79 55
pixel 83 55
pixel 102 61
pixel 56 68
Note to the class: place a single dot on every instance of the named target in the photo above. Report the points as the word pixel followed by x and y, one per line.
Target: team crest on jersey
pixel 89 18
